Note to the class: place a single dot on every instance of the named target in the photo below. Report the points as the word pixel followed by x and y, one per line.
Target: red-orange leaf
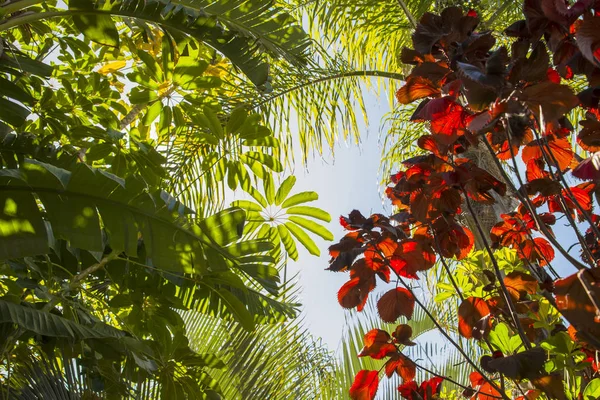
pixel 416 87
pixel 520 283
pixel 402 365
pixel 573 301
pixel 365 385
pixel 377 344
pixel 395 303
pixel 472 313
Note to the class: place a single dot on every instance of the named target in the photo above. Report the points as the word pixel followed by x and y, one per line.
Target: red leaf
pixel 377 344
pixel 470 312
pixel 429 389
pixel 402 335
pixel 416 87
pixel 446 116
pixel 485 391
pixel 588 38
pixel 573 301
pixel 365 385
pixel 408 390
pixel 395 303
pixel 553 76
pixel 402 365
pixel 554 99
pixel 349 295
pixel 411 256
pixel 588 168
pixel 520 283
pixel 560 149
pixel 537 250
pixel 589 135
pixel 552 385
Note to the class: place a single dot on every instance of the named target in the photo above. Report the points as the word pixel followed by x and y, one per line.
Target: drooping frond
pixel 280 361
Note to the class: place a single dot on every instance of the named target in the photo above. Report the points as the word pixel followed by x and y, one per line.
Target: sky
pixel 349 181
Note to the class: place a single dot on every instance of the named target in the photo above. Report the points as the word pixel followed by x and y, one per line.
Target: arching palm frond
pixel 280 361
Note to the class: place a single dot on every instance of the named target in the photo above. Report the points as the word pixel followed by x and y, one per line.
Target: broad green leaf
pixel 269 187
pixel 257 196
pixel 232 175
pixel 187 70
pixel 310 212
pixel 236 120
pixel 249 247
pixel 152 113
pixel 284 189
pixel 303 238
pixel 13 91
pixel 288 242
pixel 142 96
pixel 12 113
pixel 152 66
pixel 98 152
pixel 96 27
pixel 237 309
pixel 224 227
pixel 312 226
pixel 22 230
pixel 592 390
pixel 247 205
pixel 299 198
pixel 266 160
pixel 213 122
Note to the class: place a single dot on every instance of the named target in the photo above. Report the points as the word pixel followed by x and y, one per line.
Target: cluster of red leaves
pixel 472 96
pixel 379 344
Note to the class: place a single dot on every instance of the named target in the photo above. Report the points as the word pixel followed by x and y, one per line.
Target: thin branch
pixel 507 298
pixel 541 225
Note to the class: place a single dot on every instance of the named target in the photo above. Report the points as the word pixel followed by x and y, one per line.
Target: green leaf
pixel 313 227
pixel 12 113
pixel 213 122
pixel 47 324
pixel 152 66
pixel 257 196
pixel 265 159
pixel 299 198
pixel 98 152
pixel 592 390
pixel 22 230
pixel 303 238
pixel 269 187
pixel 310 212
pixel 11 90
pixel 284 189
pixel 236 120
pixel 94 26
pixel 224 227
pixel 288 242
pixel 247 205
pixel 152 113
pixel 238 309
pixel 187 70
pixel 140 95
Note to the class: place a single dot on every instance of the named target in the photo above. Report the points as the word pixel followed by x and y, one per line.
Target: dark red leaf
pixel 402 335
pixel 395 303
pixel 588 38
